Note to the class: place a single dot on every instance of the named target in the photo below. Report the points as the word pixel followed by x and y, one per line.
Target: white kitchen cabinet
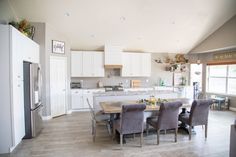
pixel 31 51
pixel 136 65
pixel 76 64
pixel 98 64
pixel 146 64
pixel 15 48
pixel 87 94
pixel 126 69
pixel 113 55
pixel 77 99
pixel 87 64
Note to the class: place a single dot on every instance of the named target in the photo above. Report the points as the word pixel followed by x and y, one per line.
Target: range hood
pixel 113 57
pixel 111 66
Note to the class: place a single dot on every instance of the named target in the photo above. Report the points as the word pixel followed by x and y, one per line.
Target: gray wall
pixel 44 34
pixel 206 57
pixel 224 37
pixel 6 12
pixel 53 34
pixel 157 72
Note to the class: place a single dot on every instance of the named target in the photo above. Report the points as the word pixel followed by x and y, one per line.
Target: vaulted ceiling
pixel 173 26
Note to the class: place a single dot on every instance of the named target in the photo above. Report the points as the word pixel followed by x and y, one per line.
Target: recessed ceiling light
pixel 139 38
pixel 67 14
pixel 122 18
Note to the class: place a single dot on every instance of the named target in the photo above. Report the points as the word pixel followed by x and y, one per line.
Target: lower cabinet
pixel 79 98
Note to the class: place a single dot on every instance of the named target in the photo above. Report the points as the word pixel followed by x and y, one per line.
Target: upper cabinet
pixel 76 64
pixel 113 56
pixel 91 64
pixel 87 64
pixel 136 64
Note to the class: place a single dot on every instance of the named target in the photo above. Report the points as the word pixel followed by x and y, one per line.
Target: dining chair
pixel 198 115
pixel 98 118
pixel 131 121
pixel 167 118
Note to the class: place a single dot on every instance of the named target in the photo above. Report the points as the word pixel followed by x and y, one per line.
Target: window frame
pixel 227 77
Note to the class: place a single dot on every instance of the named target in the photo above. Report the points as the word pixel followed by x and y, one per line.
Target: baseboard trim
pixel 69 112
pixel 80 110
pixel 232 109
pixel 47 117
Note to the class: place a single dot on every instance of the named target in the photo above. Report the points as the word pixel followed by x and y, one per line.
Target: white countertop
pixel 128 93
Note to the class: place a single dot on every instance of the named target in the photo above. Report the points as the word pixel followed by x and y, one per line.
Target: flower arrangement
pixel 24 27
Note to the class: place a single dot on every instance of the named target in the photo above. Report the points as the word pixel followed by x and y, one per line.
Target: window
pixel 221 79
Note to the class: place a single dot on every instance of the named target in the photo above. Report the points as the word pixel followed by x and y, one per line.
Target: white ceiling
pixel 173 26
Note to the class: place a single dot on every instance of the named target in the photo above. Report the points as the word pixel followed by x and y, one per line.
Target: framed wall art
pixel 58 47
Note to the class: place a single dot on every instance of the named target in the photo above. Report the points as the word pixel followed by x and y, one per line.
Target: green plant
pixel 24 27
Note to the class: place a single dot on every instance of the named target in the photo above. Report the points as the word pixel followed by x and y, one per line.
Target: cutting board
pixel 135 83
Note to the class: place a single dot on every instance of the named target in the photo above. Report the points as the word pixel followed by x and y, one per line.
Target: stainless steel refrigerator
pixel 32 99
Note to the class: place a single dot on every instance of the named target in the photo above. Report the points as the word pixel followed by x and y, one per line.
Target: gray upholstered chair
pixel 98 118
pixel 167 118
pixel 131 121
pixel 198 115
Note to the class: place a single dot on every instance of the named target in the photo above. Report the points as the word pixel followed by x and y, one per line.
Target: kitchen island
pixel 131 96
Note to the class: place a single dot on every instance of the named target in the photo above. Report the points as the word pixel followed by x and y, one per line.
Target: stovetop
pixel 113 88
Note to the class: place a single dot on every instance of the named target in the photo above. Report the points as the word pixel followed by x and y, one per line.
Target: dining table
pixel 114 107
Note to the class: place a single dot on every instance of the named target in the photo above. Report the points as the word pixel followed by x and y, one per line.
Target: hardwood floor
pixel 70 136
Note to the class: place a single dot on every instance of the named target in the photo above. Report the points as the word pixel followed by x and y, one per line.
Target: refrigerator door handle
pixel 40 79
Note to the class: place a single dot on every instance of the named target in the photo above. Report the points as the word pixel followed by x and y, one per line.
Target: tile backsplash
pixel 112 77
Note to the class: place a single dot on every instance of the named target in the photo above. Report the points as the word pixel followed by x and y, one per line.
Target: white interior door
pixel 58 77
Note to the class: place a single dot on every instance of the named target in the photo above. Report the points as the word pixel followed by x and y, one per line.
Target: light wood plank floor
pixel 70 136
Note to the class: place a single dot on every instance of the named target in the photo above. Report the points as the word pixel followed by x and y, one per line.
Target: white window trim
pixel 227 78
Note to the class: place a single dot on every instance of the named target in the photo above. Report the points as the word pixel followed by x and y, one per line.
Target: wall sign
pixel 58 47
pixel 225 56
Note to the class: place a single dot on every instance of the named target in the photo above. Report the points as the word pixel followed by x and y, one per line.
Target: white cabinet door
pixel 135 64
pixel 113 55
pixel 126 69
pixel 146 65
pixel 19 45
pixel 88 64
pixel 58 80
pixel 31 51
pixel 113 59
pixel 77 99
pixel 76 64
pixel 87 94
pixel 98 64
